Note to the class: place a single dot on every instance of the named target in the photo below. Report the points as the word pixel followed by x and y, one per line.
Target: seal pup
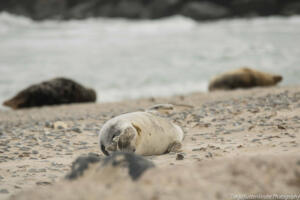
pixel 53 92
pixel 143 133
pixel 243 78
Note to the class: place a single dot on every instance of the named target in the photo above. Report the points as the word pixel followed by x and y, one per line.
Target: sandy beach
pixel 236 142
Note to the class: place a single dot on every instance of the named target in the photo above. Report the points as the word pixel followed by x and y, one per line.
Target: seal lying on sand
pixel 143 133
pixel 243 78
pixel 53 92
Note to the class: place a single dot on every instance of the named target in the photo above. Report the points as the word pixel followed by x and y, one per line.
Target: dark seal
pixel 53 92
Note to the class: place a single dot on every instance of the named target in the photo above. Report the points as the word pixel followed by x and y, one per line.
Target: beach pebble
pixel 60 125
pixel 32 170
pixel 209 155
pixel 76 129
pixel 281 127
pixel 34 152
pixel 43 183
pixel 48 124
pixel 179 156
pixel 255 140
pixel 199 149
pixel 4 191
pixel 24 148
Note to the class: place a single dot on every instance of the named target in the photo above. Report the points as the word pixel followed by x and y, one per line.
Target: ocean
pixel 127 59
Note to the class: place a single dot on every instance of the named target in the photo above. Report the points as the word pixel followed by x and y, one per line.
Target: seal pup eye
pixel 112 139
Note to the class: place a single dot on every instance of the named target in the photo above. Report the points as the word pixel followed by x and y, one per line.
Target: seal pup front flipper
pixel 123 141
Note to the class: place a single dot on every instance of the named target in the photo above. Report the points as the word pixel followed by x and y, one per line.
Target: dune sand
pixel 236 143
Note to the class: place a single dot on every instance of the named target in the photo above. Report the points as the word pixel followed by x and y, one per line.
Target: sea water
pixel 125 59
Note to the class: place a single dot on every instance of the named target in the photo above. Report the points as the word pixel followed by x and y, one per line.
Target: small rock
pixel 35 152
pixel 199 149
pixel 77 130
pixel 24 154
pixel 43 183
pixel 32 170
pixel 60 125
pixel 255 140
pixel 48 124
pixel 24 148
pixel 4 191
pixel 281 127
pixel 179 156
pixel 209 155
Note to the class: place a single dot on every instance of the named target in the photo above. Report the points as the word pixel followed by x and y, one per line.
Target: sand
pixel 238 142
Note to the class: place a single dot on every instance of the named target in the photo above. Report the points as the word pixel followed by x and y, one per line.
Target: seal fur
pixel 243 78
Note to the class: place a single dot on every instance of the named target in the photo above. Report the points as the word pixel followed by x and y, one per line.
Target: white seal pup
pixel 143 133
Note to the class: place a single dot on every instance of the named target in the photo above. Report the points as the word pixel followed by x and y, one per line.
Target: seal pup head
pixel 119 137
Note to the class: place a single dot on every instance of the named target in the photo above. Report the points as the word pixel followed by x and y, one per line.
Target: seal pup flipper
pixel 168 108
pixel 175 147
pixel 124 139
pixel 161 109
